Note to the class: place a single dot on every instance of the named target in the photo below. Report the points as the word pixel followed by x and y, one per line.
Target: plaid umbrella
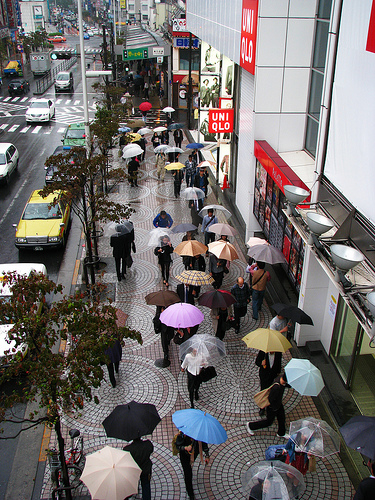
pixel 190 248
pixel 195 278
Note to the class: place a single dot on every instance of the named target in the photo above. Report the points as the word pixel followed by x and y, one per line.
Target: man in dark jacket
pixel 201 181
pixel 141 451
pixel 366 488
pixel 269 368
pixel 185 292
pixel 119 245
pixel 274 410
pixel 241 291
pixel 133 172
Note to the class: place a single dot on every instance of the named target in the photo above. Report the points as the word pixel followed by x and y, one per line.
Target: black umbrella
pixel 216 298
pixel 293 312
pixel 163 298
pixel 184 228
pixel 359 434
pixel 131 421
pixel 175 126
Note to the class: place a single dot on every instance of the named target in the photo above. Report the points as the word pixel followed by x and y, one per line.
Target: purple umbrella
pixel 181 315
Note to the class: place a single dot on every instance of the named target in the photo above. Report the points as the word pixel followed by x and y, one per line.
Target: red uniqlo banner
pixel 370 47
pixel 249 22
pixel 220 120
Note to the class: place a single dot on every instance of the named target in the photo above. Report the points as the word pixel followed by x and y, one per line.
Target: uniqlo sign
pixel 220 120
pixel 249 23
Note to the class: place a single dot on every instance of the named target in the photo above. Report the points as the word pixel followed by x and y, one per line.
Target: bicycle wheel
pixel 74 474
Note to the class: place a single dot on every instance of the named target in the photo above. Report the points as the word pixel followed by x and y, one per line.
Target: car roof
pixel 76 126
pixel 4 146
pixel 63 72
pixel 21 269
pixel 41 99
pixel 36 198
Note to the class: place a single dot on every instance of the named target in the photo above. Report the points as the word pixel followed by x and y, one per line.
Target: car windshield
pixel 39 104
pixel 2 159
pixel 41 211
pixel 74 134
pixel 62 77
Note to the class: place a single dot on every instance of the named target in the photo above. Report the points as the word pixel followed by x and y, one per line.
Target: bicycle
pixel 73 456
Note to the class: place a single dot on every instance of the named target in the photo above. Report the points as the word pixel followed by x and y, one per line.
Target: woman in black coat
pixel 163 253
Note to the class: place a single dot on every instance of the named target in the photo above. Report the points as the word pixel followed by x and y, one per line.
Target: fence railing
pixel 48 80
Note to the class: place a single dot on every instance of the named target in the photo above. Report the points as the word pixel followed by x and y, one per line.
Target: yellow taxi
pixel 44 222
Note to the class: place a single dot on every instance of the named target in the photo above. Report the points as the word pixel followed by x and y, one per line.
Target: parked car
pixel 51 170
pixel 13 68
pixel 7 345
pixel 40 110
pixel 57 39
pixel 75 135
pixel 86 36
pixel 44 223
pixel 90 32
pixel 18 87
pixel 64 81
pixel 9 158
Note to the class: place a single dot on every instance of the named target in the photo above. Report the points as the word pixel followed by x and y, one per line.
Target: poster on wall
pixel 227 77
pixel 203 127
pixel 224 162
pixel 209 91
pixel 210 59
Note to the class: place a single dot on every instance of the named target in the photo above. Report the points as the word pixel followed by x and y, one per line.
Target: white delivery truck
pixel 40 63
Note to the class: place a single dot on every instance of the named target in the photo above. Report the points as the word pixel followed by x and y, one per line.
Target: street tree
pixel 79 176
pixel 58 380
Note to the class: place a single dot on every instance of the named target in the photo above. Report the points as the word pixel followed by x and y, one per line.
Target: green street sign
pixel 133 54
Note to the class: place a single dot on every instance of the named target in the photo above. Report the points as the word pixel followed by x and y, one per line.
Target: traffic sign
pixel 133 54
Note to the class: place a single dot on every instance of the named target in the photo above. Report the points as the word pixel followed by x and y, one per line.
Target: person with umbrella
pixel 260 278
pixel 141 451
pixel 118 242
pixel 164 139
pixel 114 353
pixel 366 488
pixel 133 171
pixel 201 181
pixel 241 291
pixel 274 410
pixel 193 363
pixel 195 207
pixel 155 139
pixel 269 364
pixel 160 165
pixel 279 323
pixel 186 293
pixel 163 252
pixel 163 220
pixel 190 171
pixel 188 450
pixel 216 268
pixel 178 137
pixel 208 220
pixel 178 177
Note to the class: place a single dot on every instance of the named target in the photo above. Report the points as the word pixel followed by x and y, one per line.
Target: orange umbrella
pixel 223 250
pixel 190 248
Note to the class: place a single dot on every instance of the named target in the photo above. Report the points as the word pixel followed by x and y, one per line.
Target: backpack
pixel 174 447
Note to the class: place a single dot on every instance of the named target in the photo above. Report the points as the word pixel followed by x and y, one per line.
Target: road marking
pixel 76 102
pixel 14 128
pixel 58 101
pixel 24 99
pixel 61 130
pixel 7 99
pixel 25 129
pixel 48 131
pixel 4 126
pixel 36 129
pixel 16 196
pixel 15 99
pixel 68 101
pixel 43 453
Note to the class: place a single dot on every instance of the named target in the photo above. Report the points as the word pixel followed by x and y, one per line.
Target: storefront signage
pixel 122 4
pixel 179 25
pixel 157 51
pixel 249 23
pixel 220 121
pixel 133 54
pixel 183 43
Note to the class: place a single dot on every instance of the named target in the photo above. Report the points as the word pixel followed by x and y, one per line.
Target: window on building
pixel 131 7
pixel 144 17
pixel 184 59
pixel 145 8
pixel 317 74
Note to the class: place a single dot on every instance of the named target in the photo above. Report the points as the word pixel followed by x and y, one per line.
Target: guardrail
pixel 48 80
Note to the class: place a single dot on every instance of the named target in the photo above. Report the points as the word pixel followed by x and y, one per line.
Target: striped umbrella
pixel 195 278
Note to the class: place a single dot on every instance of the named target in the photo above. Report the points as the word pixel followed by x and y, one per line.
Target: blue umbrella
pixel 200 426
pixel 195 145
pixel 124 129
pixel 175 126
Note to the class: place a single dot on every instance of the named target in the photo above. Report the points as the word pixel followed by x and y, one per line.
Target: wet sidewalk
pixel 228 397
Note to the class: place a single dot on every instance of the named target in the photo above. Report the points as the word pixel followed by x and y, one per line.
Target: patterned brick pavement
pixel 227 397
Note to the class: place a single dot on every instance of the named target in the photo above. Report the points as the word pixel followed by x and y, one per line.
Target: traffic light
pixel 127 67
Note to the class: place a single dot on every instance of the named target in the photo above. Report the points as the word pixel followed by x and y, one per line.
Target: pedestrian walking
pixel 141 451
pixel 119 244
pixel 260 278
pixel 142 142
pixel 279 323
pixel 160 165
pixel 155 139
pixel 201 180
pixel 216 268
pixel 274 410
pixel 241 292
pixel 188 450
pixel 190 171
pixel 269 364
pixel 219 316
pixel 193 364
pixel 145 90
pixel 163 253
pixel 166 334
pixel 114 354
pixel 186 293
pixel 164 139
pixel 163 220
pixel 133 172
pixel 208 220
pixel 196 263
pixel 178 176
pixel 178 137
pixel 366 488
pixel 195 207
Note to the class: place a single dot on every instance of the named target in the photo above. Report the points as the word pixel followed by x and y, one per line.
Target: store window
pixel 184 59
pixel 317 74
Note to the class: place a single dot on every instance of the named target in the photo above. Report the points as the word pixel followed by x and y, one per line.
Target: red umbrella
pixel 145 106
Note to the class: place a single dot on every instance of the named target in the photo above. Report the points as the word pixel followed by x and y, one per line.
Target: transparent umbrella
pixel 315 437
pixel 192 193
pixel 161 148
pixel 156 236
pixel 272 481
pixel 208 347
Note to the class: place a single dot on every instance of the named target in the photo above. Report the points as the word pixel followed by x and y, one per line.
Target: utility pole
pixel 105 63
pixel 190 89
pixel 113 55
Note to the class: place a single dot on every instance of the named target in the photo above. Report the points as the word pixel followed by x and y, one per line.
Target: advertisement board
pixel 249 22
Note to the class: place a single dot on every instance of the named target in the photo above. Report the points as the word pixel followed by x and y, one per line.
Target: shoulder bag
pixel 261 397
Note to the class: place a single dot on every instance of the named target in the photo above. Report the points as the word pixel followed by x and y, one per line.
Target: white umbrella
pixel 132 145
pixel 160 129
pixel 161 148
pixel 144 130
pixel 168 109
pixel 205 210
pixel 192 193
pixel 256 241
pixel 173 149
pixel 111 473
pixel 131 153
pixel 156 235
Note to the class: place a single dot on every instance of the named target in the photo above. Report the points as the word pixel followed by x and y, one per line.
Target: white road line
pixel 48 131
pixel 25 129
pixel 15 197
pixel 14 128
pixel 7 99
pixel 4 126
pixel 76 102
pixel 36 129
pixel 58 101
pixel 68 102
pixel 24 99
pixel 61 130
pixel 15 99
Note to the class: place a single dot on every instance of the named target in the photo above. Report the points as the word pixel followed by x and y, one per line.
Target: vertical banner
pixel 249 22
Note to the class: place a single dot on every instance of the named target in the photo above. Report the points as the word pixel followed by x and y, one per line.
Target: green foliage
pixel 59 379
pixel 33 41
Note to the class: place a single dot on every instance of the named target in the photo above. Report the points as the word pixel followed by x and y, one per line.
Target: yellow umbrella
pixel 267 340
pixel 223 250
pixel 190 248
pixel 134 136
pixel 174 166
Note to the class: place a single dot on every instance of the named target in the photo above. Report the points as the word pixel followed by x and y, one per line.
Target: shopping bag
pixel 261 397
pixel 208 373
pixel 275 452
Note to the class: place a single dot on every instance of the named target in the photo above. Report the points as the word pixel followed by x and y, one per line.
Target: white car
pixel 9 157
pixel 40 110
pixel 90 32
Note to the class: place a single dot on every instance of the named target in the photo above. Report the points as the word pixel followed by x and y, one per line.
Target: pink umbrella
pixel 181 315
pixel 145 106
